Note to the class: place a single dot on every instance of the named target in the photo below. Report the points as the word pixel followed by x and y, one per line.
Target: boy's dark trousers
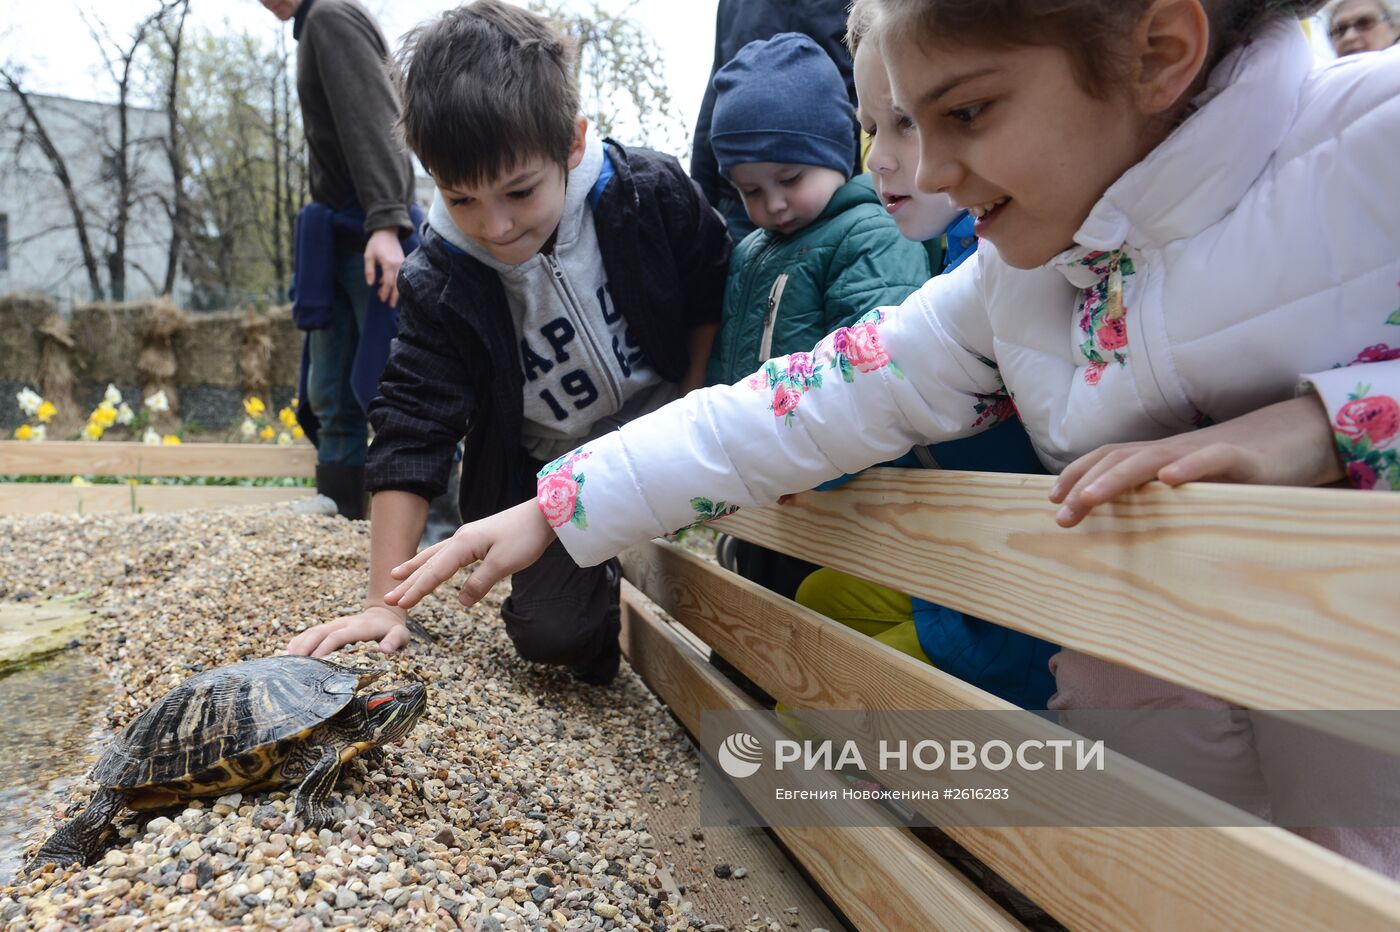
pixel 559 612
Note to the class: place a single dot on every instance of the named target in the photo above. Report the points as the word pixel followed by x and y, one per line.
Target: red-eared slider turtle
pixel 246 726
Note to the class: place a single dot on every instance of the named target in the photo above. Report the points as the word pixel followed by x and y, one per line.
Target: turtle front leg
pixel 313 796
pixel 77 841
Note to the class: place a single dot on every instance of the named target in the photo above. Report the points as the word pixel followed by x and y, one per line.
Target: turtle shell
pixel 226 713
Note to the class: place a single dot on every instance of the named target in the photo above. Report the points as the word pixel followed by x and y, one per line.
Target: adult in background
pixel 351 239
pixel 1362 26
pixel 737 23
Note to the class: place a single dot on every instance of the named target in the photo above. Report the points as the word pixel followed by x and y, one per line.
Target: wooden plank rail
pixel 31 498
pixel 61 458
pixel 1117 878
pixel 1272 598
pixel 882 878
pixel 142 461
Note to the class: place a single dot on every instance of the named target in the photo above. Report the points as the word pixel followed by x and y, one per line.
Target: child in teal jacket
pixel 826 250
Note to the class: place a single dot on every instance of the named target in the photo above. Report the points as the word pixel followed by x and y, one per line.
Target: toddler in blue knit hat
pixel 782 130
pixel 826 250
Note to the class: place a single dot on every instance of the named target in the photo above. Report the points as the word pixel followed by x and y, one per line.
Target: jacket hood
pixel 859 190
pixel 1200 172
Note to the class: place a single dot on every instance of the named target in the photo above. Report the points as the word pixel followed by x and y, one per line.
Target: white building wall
pixel 42 251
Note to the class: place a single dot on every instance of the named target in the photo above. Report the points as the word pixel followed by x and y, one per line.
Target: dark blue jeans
pixel 344 434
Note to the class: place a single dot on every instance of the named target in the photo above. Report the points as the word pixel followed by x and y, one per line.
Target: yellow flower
pixel 94 430
pixel 24 432
pixel 80 481
pixel 298 433
pixel 287 417
pixel 170 440
pixel 254 405
pixel 45 412
pixel 105 414
pixel 267 433
pixel 296 403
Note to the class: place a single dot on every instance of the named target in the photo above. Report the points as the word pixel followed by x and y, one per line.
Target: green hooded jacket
pixel 784 293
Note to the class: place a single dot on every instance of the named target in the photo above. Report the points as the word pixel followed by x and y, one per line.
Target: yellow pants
pixel 873 610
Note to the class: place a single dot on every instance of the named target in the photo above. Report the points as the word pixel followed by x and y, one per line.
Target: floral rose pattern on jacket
pixel 1366 427
pixel 848 351
pixel 1102 313
pixel 557 491
pixel 993 409
pixel 708 509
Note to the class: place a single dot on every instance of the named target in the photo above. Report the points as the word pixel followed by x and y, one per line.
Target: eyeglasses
pixel 1360 24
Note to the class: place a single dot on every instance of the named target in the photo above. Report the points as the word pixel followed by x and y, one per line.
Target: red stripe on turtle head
pixel 376 702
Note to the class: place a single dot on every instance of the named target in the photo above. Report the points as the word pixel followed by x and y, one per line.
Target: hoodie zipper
pixel 585 333
pixel 770 317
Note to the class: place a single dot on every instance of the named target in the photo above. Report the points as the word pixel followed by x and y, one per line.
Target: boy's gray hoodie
pixel 584 373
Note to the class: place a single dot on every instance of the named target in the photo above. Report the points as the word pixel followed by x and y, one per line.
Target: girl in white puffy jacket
pixel 1189 266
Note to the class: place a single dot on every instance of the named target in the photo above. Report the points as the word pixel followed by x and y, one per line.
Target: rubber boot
pixel 344 485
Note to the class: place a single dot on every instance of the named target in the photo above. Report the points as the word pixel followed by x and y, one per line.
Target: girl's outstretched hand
pixel 1289 443
pixel 507 541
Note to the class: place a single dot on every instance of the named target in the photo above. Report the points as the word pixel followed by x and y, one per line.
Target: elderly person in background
pixel 1362 26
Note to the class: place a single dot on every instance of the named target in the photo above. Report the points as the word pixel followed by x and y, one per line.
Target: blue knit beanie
pixel 782 100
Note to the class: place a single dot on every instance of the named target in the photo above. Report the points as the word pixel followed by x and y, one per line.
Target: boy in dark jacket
pixel 564 286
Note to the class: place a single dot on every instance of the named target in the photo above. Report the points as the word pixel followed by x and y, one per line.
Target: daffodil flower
pixel 24 432
pixel 254 405
pixel 158 402
pixel 248 428
pixel 298 433
pixel 170 440
pixel 287 417
pixel 45 411
pixel 150 437
pixel 105 414
pixel 40 433
pixel 125 415
pixel 112 395
pixel 29 401
pixel 94 430
pixel 79 481
pixel 284 439
pixel 267 433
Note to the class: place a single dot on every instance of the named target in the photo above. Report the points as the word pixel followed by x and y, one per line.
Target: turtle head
pixel 392 714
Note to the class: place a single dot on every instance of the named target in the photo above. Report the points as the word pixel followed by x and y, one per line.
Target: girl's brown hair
pixel 1090 30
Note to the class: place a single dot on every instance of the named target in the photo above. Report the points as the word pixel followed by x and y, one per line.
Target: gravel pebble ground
pixel 515 804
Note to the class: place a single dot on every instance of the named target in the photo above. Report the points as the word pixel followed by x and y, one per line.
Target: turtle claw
pixel 316 816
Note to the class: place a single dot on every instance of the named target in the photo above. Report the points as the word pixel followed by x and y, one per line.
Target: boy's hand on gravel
pixel 376 623
pixel 504 543
pixel 1289 443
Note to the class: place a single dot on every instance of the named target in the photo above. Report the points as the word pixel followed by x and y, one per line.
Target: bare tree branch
pixel 40 135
